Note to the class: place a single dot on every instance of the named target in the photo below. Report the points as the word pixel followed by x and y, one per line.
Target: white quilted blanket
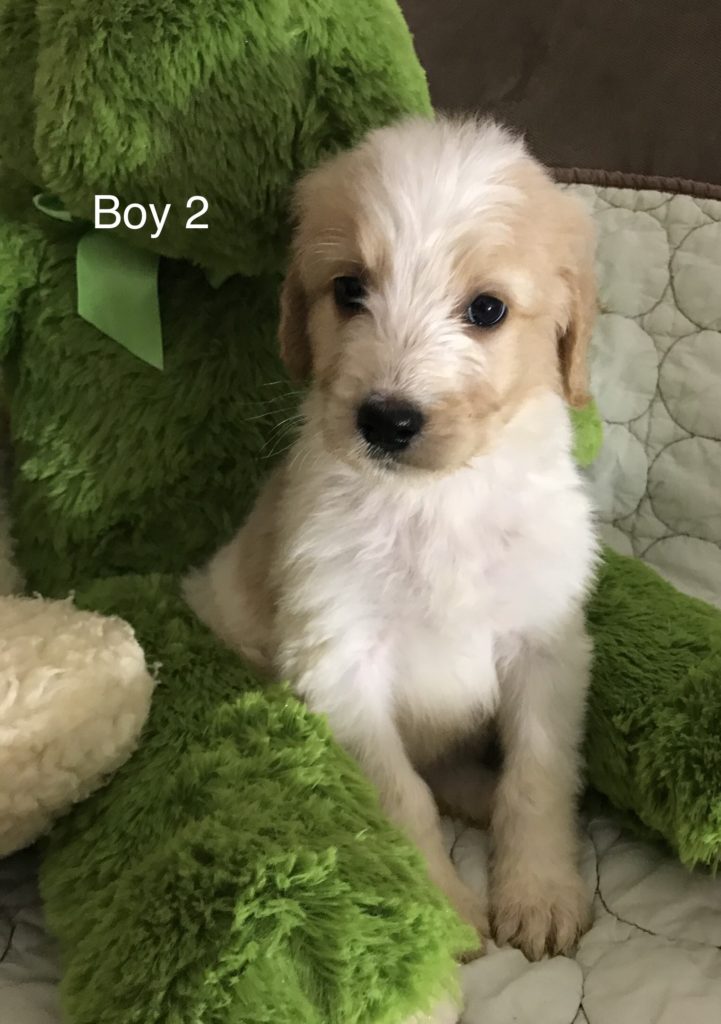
pixel 657 378
pixel 29 970
pixel 653 955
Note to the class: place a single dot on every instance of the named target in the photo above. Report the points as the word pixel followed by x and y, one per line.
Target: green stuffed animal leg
pixel 653 743
pixel 240 856
pixel 654 729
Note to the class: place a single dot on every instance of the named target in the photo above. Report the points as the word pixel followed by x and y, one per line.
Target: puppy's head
pixel 439 279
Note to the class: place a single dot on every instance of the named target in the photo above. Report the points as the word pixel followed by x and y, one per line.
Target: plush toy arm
pixel 654 727
pixel 239 866
pixel 74 694
pixel 654 724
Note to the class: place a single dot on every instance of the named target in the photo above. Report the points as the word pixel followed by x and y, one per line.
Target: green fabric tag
pixel 118 293
pixel 51 206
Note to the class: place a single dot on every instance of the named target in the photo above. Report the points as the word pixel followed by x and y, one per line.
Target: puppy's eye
pixel 486 311
pixel 349 293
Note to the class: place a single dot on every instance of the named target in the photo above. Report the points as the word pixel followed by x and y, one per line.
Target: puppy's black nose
pixel 388 424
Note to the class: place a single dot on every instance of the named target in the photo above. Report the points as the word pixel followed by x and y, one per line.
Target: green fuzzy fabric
pixel 587 433
pixel 238 868
pixel 159 100
pixel 654 733
pixel 124 468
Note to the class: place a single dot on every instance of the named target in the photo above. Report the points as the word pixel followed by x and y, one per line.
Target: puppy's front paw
pixel 538 914
pixel 473 910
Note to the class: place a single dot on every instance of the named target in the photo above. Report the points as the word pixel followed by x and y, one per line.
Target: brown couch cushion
pixel 631 86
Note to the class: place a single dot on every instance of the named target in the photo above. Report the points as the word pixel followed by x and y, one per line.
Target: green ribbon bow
pixel 118 293
pixel 117 285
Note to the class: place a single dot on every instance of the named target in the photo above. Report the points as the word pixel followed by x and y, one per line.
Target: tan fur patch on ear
pixel 295 347
pixel 574 342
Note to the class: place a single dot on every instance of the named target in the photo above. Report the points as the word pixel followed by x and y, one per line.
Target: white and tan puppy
pixel 417 566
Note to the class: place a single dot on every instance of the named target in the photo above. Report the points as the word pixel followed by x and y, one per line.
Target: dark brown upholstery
pixel 629 86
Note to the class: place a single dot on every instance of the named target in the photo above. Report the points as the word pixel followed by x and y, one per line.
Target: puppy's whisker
pixel 279 448
pixel 300 459
pixel 278 383
pixel 285 396
pixel 280 451
pixel 271 411
pixel 286 424
pixel 280 433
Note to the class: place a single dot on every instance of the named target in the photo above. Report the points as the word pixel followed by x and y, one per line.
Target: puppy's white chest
pixel 412 592
pixel 437 603
pixel 445 674
pixel 436 582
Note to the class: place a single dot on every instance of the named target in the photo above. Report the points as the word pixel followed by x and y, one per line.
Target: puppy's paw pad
pixel 540 919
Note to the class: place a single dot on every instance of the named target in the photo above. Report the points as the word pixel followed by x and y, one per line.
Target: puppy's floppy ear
pixel 293 329
pixel 576 331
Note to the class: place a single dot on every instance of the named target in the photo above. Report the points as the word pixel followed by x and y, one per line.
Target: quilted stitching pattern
pixel 656 374
pixel 29 970
pixel 653 955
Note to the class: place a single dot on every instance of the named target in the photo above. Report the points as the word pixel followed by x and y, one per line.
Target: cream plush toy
pixel 74 695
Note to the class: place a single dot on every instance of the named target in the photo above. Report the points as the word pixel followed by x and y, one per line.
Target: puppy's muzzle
pixel 388 425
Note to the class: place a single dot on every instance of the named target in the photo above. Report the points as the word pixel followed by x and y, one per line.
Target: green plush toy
pixel 238 868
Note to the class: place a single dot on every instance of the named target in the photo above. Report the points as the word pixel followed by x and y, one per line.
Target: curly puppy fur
pixel 419 585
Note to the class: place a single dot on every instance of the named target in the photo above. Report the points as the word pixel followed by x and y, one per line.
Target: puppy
pixel 417 566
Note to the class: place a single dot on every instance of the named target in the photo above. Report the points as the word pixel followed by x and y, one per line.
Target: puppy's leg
pixel 231 594
pixel 538 902
pixel 358 707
